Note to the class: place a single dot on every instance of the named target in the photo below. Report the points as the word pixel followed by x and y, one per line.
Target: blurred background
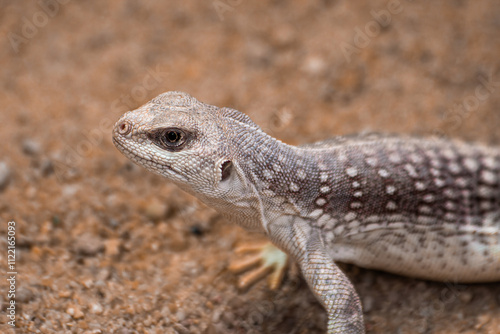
pixel 103 246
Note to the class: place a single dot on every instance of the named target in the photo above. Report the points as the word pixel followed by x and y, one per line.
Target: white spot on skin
pixel 425 209
pixel 371 161
pixel 485 205
pixel 356 184
pixel 436 163
pixel 329 237
pixel 372 219
pixel 267 174
pixel 486 192
pixel 352 171
pixel 277 168
pixel 439 182
pixel 322 166
pixel 339 230
pixel 353 225
pixel 471 165
pixel 358 194
pixel 420 186
pixel 429 198
pixel 316 213
pixel 416 159
pixel 268 193
pixel 390 189
pixel 323 221
pixel 324 189
pixel 462 182
pixel 323 177
pixel 431 154
pixel 294 187
pixel 391 205
pixel 350 216
pixel 327 221
pixel 395 158
pixel 490 163
pixel 449 154
pixel 383 173
pixel 450 216
pixel 450 206
pixel 412 172
pixel 450 193
pixel 321 201
pixel 435 172
pixel 488 177
pixel 465 193
pixel 301 174
pixel 342 157
pixel 454 168
pixel 356 205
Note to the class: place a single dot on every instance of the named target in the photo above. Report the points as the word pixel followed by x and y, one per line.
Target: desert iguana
pixel 425 208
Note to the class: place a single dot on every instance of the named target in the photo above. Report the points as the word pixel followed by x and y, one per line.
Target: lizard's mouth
pixel 139 158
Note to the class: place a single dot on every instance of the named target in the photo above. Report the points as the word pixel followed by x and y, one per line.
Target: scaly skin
pixel 426 208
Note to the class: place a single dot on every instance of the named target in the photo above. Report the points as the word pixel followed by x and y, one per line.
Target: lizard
pixel 427 208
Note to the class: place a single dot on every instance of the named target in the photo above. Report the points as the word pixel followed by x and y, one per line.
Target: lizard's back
pixel 422 208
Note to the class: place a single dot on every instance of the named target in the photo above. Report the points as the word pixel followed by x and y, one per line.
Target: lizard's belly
pixel 441 255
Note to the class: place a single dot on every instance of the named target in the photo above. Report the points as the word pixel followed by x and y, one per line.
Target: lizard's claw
pixel 266 260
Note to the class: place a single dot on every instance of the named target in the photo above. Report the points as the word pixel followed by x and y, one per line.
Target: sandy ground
pixel 103 246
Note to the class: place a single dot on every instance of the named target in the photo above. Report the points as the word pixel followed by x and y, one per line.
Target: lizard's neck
pixel 270 163
pixel 274 176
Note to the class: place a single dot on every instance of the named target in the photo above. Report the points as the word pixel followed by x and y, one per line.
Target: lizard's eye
pixel 171 139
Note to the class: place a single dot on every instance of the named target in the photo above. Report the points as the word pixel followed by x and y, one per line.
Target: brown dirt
pixel 106 247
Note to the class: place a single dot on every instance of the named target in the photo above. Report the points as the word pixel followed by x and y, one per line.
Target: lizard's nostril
pixel 124 128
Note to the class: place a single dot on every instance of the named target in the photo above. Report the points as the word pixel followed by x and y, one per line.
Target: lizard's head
pixel 186 141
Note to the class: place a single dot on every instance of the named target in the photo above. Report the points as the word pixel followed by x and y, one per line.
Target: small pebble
pixel 102 275
pixel 112 247
pixel 156 210
pixel 46 167
pixel 368 302
pixel 4 175
pixel 314 65
pixel 88 283
pixel 465 296
pixel 75 312
pixel 181 315
pixel 70 190
pixel 31 147
pixel 96 308
pixel 24 295
pixel 88 244
pixel 64 294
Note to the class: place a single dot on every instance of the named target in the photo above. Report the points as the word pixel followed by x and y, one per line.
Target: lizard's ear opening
pixel 226 168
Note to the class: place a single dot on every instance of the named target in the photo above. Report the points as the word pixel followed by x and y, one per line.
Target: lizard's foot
pixel 266 260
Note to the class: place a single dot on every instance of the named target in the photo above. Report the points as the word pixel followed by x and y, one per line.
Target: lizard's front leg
pixel 328 283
